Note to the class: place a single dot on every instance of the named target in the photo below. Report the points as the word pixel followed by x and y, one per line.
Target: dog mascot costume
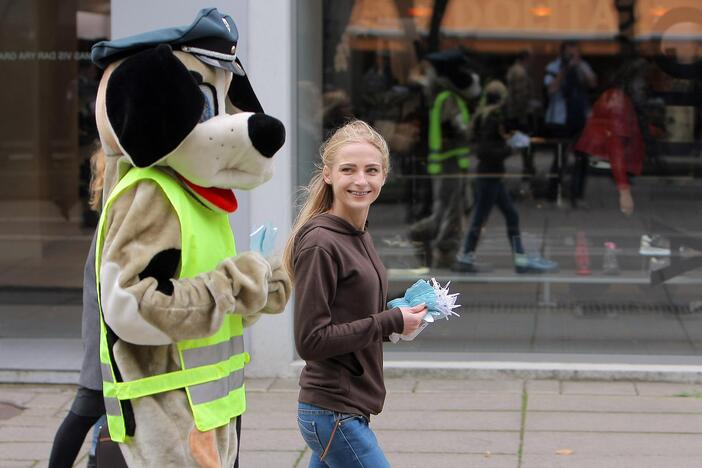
pixel 180 126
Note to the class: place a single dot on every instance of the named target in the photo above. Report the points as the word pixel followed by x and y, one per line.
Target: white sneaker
pixel 654 246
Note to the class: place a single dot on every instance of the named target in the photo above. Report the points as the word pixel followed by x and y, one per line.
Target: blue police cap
pixel 212 38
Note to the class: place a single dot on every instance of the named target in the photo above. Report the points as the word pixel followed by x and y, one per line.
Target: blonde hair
pixel 97 178
pixel 318 195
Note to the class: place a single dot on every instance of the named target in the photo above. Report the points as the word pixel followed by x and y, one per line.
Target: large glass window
pixel 545 160
pixel 46 138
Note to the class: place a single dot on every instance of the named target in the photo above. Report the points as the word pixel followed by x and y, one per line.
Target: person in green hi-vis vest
pixel 174 295
pixel 452 84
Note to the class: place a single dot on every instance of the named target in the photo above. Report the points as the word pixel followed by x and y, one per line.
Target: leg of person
pixel 506 206
pixel 485 199
pixel 577 184
pixel 448 238
pixel 522 262
pixel 311 420
pixel 238 441
pixel 355 445
pixel 338 440
pixel 87 408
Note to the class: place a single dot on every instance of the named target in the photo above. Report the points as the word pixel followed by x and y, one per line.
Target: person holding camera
pixel 568 80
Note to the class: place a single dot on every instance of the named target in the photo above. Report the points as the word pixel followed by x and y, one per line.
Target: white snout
pixel 219 153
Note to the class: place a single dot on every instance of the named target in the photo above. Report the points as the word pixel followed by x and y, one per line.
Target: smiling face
pixel 356 177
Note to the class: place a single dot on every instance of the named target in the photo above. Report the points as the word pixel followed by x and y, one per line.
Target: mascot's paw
pixel 203 447
pixel 279 289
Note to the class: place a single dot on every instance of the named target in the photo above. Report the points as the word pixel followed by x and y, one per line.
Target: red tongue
pixel 219 197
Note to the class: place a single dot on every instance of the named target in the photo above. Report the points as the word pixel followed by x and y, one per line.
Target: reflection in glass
pixel 606 95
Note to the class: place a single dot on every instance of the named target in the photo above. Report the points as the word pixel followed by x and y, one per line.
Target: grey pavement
pixel 441 423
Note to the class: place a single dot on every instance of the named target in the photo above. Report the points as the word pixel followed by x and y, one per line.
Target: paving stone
pixel 285 385
pixel 448 420
pixel 598 388
pixel 18 451
pixel 39 421
pixel 278 401
pixel 578 460
pixel 26 434
pixel 669 389
pixel 543 386
pixel 472 386
pixel 269 420
pixel 305 460
pixel 269 459
pixel 442 460
pixel 461 401
pixel 614 403
pixel 38 388
pixel 50 400
pixel 17 464
pixel 273 439
pixel 400 385
pixel 614 422
pixel 451 442
pixel 612 444
pixel 15 397
pixel 258 385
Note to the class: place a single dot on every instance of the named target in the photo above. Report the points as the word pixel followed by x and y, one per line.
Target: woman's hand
pixel 626 202
pixel 412 318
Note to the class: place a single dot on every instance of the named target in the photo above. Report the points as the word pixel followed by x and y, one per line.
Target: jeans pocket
pixel 308 429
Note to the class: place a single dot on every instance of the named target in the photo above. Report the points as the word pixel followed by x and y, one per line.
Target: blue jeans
pixel 354 443
pixel 490 191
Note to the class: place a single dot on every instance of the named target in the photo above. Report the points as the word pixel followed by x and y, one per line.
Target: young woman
pixel 341 292
pixel 489 134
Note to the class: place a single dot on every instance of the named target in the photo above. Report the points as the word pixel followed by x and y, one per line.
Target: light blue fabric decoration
pixel 262 240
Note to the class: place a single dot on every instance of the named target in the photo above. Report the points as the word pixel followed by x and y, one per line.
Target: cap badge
pixel 229 28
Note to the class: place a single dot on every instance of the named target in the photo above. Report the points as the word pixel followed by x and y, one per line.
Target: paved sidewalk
pixel 440 423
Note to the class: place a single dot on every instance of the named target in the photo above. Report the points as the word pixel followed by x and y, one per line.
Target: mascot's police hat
pixel 212 38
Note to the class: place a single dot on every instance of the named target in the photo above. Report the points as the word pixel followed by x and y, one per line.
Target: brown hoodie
pixel 340 321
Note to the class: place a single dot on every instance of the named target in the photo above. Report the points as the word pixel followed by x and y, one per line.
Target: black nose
pixel 266 133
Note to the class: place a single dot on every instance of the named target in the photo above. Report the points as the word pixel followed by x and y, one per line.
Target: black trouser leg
pixel 69 439
pixel 485 193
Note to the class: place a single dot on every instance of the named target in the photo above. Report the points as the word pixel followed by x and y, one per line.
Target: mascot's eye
pixel 210 108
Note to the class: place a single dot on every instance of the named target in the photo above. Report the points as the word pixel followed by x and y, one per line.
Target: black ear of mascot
pixel 153 102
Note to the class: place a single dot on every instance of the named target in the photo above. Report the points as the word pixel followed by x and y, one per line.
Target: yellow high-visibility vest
pixel 212 368
pixel 437 153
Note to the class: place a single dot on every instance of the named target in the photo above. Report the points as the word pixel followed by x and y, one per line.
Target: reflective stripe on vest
pixel 212 368
pixel 437 154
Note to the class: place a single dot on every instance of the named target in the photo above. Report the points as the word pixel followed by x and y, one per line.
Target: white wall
pixel 265 48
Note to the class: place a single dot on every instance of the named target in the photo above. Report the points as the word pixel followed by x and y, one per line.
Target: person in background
pixel 88 406
pixel 340 320
pixel 452 83
pixel 568 80
pixel 618 129
pixel 520 105
pixel 489 135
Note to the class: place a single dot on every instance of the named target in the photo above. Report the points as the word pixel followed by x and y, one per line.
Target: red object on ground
pixel 582 255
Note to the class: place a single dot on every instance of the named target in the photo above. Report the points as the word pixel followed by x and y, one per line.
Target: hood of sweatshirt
pixel 332 223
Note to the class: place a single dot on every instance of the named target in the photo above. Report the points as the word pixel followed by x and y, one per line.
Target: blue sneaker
pixel 536 264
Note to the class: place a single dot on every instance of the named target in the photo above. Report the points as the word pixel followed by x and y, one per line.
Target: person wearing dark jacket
pixel 489 135
pixel 340 295
pixel 88 406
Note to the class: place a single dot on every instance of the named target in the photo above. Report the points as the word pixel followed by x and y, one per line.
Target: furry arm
pixel 142 301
